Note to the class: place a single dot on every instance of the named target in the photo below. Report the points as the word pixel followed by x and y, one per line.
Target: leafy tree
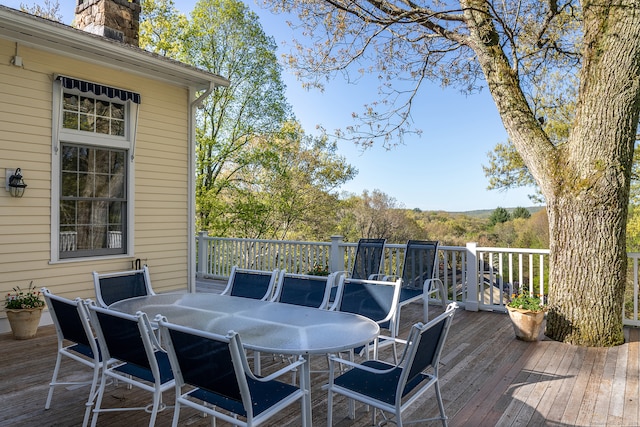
pixel 162 28
pixel 49 10
pixel 289 194
pixel 514 46
pixel 377 215
pixel 498 216
pixel 520 212
pixel 225 37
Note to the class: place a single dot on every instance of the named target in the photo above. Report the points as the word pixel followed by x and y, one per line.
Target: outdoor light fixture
pixel 15 183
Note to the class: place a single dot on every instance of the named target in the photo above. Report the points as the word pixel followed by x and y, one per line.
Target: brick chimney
pixel 115 19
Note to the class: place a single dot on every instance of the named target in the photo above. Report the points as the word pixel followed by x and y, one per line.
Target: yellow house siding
pixel 161 168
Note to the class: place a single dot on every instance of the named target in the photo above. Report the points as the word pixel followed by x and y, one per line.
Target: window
pixel 93 202
pixel 92 115
pixel 94 139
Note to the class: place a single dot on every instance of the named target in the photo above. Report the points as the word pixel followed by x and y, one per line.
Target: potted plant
pixel 24 309
pixel 527 315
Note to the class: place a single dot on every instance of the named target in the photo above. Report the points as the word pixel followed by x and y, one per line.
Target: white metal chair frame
pixel 84 351
pixel 125 371
pixel 235 270
pixel 243 373
pixel 99 277
pixel 390 316
pixel 410 383
pixel 430 286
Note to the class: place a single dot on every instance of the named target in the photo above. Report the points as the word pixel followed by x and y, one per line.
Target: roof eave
pixel 44 34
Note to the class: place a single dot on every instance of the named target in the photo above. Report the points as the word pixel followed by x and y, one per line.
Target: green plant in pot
pixel 526 312
pixel 24 309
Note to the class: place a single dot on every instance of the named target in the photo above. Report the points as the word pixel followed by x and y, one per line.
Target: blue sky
pixel 439 170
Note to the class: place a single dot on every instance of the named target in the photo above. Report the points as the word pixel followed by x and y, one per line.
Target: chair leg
pixel 92 396
pixel 440 404
pixel 157 403
pixel 54 380
pixel 176 411
pixel 96 409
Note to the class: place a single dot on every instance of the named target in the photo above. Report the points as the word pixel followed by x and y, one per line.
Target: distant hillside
pixel 486 213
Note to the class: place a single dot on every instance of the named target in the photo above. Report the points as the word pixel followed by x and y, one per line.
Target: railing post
pixel 202 253
pixel 471 304
pixel 336 256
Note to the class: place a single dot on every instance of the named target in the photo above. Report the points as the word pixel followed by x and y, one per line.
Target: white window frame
pixel 61 135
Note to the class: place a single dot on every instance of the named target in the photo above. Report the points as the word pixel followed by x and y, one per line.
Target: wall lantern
pixel 15 183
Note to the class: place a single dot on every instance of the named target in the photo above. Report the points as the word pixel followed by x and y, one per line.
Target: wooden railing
pixel 478 278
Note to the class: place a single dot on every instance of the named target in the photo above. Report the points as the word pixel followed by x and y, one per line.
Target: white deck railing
pixel 478 278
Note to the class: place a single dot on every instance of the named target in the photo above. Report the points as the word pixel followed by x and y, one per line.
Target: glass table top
pixel 262 325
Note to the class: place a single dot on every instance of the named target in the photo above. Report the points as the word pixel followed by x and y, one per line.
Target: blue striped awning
pixel 97 89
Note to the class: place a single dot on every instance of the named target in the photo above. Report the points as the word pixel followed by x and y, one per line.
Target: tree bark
pixel 586 180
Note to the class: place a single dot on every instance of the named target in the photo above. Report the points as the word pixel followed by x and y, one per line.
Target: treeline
pixel 375 214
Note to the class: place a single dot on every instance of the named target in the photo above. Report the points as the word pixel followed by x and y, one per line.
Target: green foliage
pixel 319 270
pixel 162 28
pixel 526 301
pixel 498 216
pixel 520 212
pixel 49 10
pixel 24 299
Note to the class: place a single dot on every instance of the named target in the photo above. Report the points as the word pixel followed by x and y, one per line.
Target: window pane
pixel 83 159
pixel 69 158
pixel 70 102
pixel 117 127
pixel 102 186
pixel 87 105
pixel 70 121
pixel 102 161
pixel 86 185
pixel 86 122
pixel 102 108
pixel 69 184
pixel 67 214
pixel 102 125
pixel 117 111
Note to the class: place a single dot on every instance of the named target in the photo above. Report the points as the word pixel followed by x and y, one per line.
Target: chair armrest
pixel 279 372
pixel 356 365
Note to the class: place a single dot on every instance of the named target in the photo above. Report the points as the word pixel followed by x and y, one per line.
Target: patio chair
pixel 305 290
pixel 113 287
pixel 247 283
pixel 143 364
pixel 375 299
pixel 369 259
pixel 420 276
pixel 213 376
pixel 76 342
pixel 393 388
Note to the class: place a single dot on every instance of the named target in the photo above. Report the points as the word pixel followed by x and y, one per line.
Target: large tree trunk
pixel 586 180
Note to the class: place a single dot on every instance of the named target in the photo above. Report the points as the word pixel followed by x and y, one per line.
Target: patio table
pixel 263 326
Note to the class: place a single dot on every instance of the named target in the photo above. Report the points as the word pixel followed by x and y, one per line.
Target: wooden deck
pixel 488 378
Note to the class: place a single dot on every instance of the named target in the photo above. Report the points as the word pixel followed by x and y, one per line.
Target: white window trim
pixel 60 135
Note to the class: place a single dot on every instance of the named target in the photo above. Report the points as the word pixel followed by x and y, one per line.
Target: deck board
pixel 488 378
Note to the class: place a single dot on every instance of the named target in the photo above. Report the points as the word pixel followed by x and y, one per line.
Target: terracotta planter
pixel 527 324
pixel 24 322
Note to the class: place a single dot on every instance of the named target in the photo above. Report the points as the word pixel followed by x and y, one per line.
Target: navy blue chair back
pixel 419 263
pixel 427 352
pixel 114 287
pixel 368 260
pixel 254 284
pixel 206 363
pixel 67 317
pixel 373 299
pixel 122 338
pixel 304 290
